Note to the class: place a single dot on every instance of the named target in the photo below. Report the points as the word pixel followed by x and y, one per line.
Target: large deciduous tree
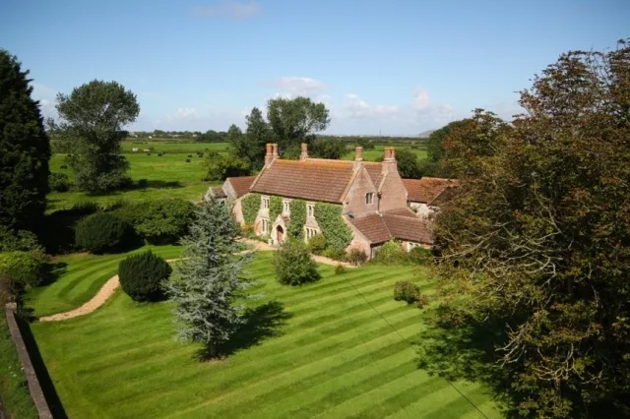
pixel 24 150
pixel 539 233
pixel 210 281
pixel 250 146
pixel 295 121
pixel 93 118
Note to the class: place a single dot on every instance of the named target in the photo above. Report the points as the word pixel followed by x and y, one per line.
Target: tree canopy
pixel 92 119
pixel 534 249
pixel 24 149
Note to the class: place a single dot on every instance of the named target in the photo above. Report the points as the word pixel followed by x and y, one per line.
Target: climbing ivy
pixel 250 205
pixel 328 216
pixel 275 208
pixel 295 228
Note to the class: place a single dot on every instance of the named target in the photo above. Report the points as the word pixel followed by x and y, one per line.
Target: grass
pixel 81 278
pixel 14 393
pixel 171 146
pixel 372 155
pixel 338 348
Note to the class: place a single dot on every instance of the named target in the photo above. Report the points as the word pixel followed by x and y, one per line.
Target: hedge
pixel 102 232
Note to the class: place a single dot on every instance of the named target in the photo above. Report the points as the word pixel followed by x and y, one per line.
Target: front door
pixel 279 234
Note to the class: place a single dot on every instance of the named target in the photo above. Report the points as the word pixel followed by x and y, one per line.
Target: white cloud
pixel 46 96
pixel 231 9
pixel 358 108
pixel 183 114
pixel 299 86
pixel 421 99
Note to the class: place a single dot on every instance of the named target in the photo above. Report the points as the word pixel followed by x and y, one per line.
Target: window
pixel 411 245
pixel 286 207
pixel 265 202
pixel 310 232
pixel 310 209
pixel 369 197
pixel 265 225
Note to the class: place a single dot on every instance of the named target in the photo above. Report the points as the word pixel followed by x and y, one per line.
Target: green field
pixel 338 348
pixel 372 155
pixel 171 146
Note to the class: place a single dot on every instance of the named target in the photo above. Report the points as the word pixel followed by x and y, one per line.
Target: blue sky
pixel 398 67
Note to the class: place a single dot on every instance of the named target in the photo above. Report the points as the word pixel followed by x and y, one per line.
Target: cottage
pixel 371 197
pixel 425 195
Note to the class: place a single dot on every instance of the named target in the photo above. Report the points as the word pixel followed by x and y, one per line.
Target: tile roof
pixel 218 192
pixel 312 179
pixel 241 184
pixel 375 171
pixel 400 224
pixel 427 189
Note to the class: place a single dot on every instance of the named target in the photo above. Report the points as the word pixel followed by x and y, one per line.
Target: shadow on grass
pixel 262 322
pixel 52 273
pixel 140 185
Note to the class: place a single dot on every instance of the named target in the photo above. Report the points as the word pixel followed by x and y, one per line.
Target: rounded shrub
pixel 356 256
pixel 141 276
pixel 390 253
pixel 293 264
pixel 317 244
pixel 187 160
pixel 406 291
pixel 26 269
pixel 102 232
pixel 59 182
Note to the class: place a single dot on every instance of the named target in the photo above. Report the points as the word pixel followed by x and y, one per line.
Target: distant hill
pixel 425 134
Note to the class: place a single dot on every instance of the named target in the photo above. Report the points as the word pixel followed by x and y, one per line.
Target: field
pixel 372 155
pixel 338 348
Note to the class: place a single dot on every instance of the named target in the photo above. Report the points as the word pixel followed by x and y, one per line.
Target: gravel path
pixel 112 283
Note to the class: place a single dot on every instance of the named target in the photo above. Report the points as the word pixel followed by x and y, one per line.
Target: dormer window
pixel 369 198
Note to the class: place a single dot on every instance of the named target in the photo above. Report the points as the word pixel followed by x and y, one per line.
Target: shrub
pixel 419 256
pixel 390 253
pixel 334 254
pixel 141 276
pixel 21 240
pixel 148 154
pixel 356 257
pixel 187 160
pixel 59 182
pixel 317 244
pixel 102 232
pixel 190 155
pixel 143 183
pixel 58 234
pixel 340 269
pixel 26 269
pixel 63 167
pixel 293 264
pixel 406 291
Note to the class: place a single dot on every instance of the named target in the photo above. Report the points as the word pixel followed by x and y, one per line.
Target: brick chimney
pixel 389 160
pixel 269 154
pixel 304 153
pixel 358 153
pixel 274 151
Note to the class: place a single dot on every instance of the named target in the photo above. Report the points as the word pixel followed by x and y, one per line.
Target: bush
pixel 390 253
pixel 190 155
pixel 340 269
pixel 59 182
pixel 102 232
pixel 141 276
pixel 317 244
pixel 334 254
pixel 27 269
pixel 187 160
pixel 419 256
pixel 356 257
pixel 58 234
pixel 406 291
pixel 293 264
pixel 21 240
pixel 63 167
pixel 143 183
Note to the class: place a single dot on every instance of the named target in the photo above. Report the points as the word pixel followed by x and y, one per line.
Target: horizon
pixel 399 69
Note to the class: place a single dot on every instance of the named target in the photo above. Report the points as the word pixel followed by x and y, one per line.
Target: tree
pixel 93 117
pixel 327 148
pixel 435 142
pixel 221 166
pixel 250 147
pixel 211 280
pixel 293 264
pixel 24 150
pixel 295 121
pixel 408 166
pixel 536 240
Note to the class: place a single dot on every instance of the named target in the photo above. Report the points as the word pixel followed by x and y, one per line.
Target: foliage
pixel 58 234
pixel 327 148
pixel 294 121
pixel 334 254
pixel 275 207
pixel 221 166
pixel 295 229
pixel 293 264
pixel 250 147
pixel 211 280
pixel 407 163
pixel 24 150
pixel 250 205
pixel 356 257
pixel 92 119
pixel 23 268
pixel 338 234
pixel 141 276
pixel 317 244
pixel 160 221
pixel 365 144
pixel 406 291
pixel 390 253
pixel 21 240
pixel 59 182
pixel 340 269
pixel 435 142
pixel 102 232
pixel 419 256
pixel 539 235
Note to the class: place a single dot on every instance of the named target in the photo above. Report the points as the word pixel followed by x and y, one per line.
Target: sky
pixel 397 67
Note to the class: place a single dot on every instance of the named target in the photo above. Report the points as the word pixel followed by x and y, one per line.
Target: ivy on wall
pixel 338 234
pixel 250 205
pixel 275 208
pixel 295 228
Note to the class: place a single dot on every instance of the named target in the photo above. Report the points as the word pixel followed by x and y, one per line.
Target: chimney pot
pixel 358 153
pixel 274 150
pixel 304 154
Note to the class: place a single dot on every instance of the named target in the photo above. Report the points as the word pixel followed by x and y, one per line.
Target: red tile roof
pixel 241 184
pixel 311 179
pixel 427 189
pixel 400 224
pixel 372 227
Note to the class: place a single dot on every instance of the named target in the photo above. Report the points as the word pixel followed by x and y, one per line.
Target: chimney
pixel 274 151
pixel 304 154
pixel 389 160
pixel 268 154
pixel 358 153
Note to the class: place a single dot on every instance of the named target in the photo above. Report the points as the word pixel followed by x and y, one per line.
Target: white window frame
pixel 286 206
pixel 310 232
pixel 265 202
pixel 266 225
pixel 310 210
pixel 369 198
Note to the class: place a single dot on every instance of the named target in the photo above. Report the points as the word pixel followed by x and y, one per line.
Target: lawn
pixel 338 348
pixel 81 278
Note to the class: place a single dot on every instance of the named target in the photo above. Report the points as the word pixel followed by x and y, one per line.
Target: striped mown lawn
pixel 81 279
pixel 340 348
